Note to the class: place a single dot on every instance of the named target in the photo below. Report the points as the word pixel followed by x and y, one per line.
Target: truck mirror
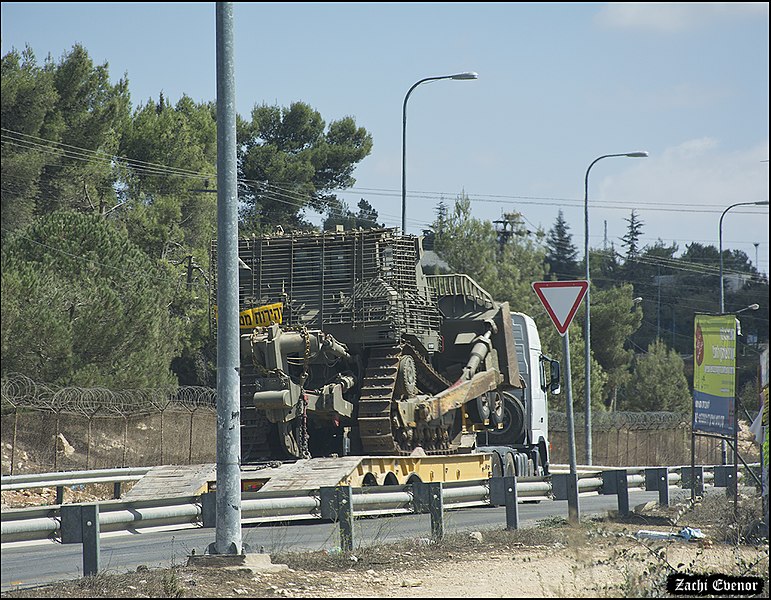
pixel 542 372
pixel 554 377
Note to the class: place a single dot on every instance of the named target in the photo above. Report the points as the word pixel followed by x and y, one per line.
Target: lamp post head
pixel 762 203
pixel 750 307
pixel 642 154
pixel 467 75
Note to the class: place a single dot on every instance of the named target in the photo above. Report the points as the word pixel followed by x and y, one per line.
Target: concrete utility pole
pixel 228 522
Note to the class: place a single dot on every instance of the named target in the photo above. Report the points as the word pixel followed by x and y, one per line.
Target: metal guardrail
pixel 70 478
pixel 261 507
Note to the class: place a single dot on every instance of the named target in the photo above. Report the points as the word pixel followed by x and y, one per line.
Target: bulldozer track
pixel 380 432
pixel 376 428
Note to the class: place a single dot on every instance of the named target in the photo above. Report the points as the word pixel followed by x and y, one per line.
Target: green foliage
pixel 290 163
pixel 674 289
pixel 82 305
pixel 552 344
pixel 62 123
pixel 170 211
pixel 658 382
pixel 631 239
pixel 92 113
pixel 366 218
pixel 506 262
pixel 166 146
pixel 562 254
pixel 71 142
pixel 26 109
pixel 173 204
pixel 467 244
pixel 614 320
pixel 605 267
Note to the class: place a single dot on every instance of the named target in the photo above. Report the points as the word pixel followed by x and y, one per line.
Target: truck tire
pixel 513 431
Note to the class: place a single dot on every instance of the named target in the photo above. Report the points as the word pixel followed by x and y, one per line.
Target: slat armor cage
pixel 365 287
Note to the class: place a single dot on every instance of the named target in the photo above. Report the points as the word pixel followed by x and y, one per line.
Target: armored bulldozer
pixel 347 347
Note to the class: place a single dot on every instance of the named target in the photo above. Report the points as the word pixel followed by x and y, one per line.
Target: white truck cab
pixel 525 428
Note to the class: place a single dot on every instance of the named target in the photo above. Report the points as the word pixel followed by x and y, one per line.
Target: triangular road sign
pixel 561 300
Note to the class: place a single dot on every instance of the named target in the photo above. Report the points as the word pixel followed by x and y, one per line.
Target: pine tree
pixel 561 253
pixel 83 305
pixel 631 239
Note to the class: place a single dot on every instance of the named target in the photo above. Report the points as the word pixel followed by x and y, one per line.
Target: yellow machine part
pixel 388 470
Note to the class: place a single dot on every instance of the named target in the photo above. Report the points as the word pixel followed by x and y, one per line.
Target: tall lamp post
pixel 723 445
pixel 460 76
pixel 587 349
pixel 720 233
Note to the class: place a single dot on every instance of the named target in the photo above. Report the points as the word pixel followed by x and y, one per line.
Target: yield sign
pixel 561 300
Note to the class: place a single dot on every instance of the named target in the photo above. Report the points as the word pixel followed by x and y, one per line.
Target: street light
pixel 750 307
pixel 722 293
pixel 723 445
pixel 587 349
pixel 459 76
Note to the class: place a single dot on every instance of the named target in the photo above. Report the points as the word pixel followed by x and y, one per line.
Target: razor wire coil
pixel 19 392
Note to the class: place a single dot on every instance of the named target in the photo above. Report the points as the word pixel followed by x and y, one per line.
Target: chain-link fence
pixel 627 439
pixel 53 428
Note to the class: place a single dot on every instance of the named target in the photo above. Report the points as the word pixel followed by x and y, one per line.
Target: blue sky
pixel 559 85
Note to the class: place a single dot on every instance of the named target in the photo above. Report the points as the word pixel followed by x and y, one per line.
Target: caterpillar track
pixel 381 430
pixel 375 421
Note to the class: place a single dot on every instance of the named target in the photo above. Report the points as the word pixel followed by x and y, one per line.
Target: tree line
pixel 109 210
pixel 643 301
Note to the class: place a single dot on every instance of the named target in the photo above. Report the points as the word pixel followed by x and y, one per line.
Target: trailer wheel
pixel 509 465
pixel 496 465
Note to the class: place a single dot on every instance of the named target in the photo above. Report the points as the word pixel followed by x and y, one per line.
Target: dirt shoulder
pixel 599 558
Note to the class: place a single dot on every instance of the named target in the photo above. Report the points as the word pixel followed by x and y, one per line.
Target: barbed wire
pixel 21 392
pixel 606 421
pixel 18 391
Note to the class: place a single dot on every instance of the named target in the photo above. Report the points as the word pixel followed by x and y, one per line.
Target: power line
pixel 285 195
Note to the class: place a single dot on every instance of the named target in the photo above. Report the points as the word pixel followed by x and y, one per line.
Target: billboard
pixel 714 373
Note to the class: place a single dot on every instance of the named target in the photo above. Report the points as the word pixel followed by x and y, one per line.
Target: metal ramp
pixel 300 475
pixel 173 481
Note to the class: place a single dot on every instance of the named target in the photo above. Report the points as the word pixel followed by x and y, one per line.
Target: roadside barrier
pixel 83 523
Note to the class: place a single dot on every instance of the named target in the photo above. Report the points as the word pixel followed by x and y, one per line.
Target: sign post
pixel 561 300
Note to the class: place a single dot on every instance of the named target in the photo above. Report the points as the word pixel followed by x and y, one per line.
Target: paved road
pixel 36 563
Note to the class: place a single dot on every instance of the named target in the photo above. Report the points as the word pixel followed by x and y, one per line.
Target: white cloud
pixel 690 149
pixel 675 17
pixel 680 193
